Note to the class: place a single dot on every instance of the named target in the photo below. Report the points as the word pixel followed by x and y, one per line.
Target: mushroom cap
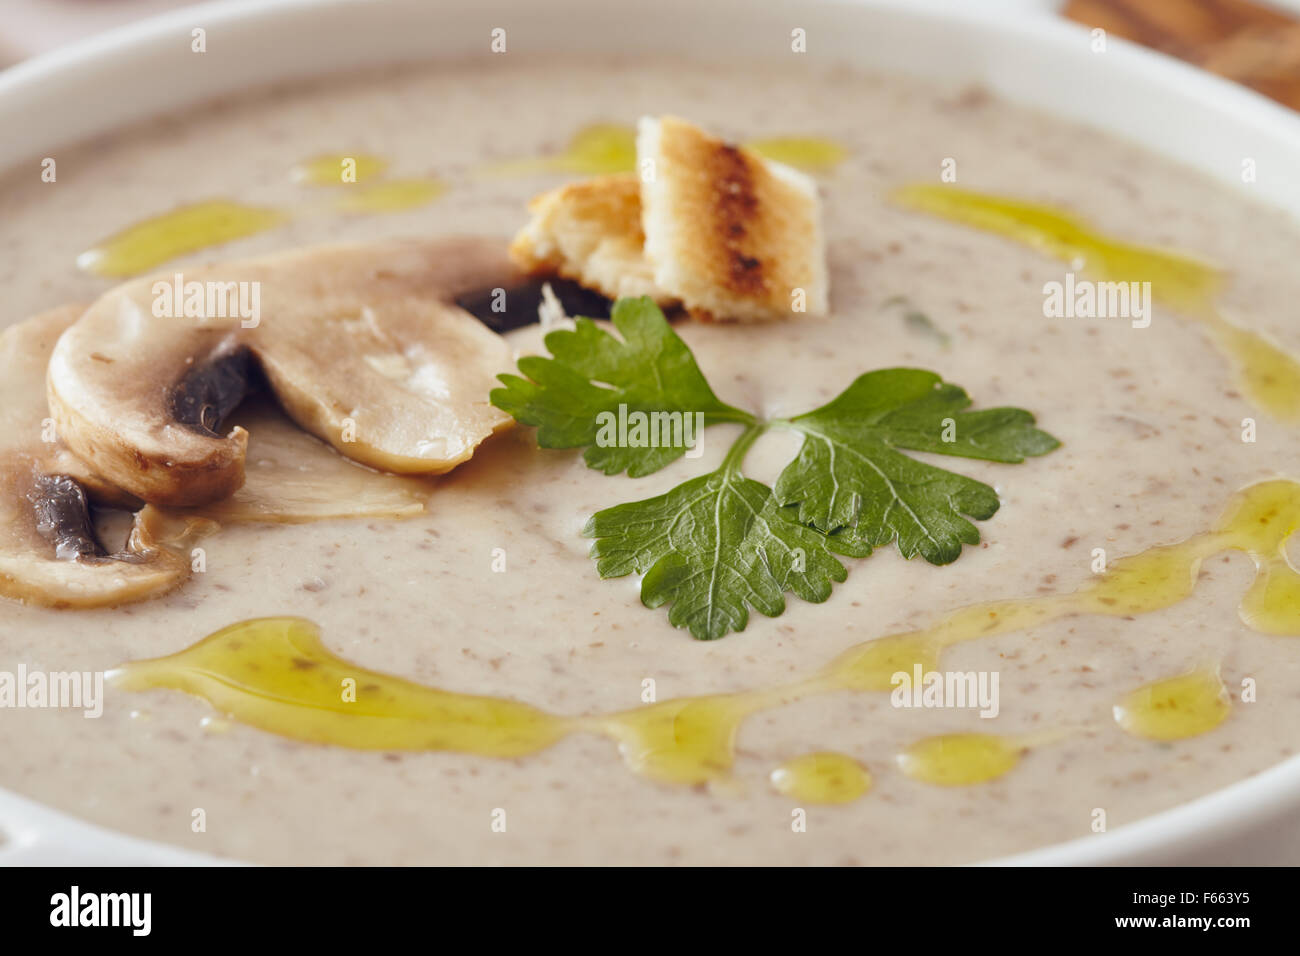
pixel 31 568
pixel 24 354
pixel 362 345
pixel 32 572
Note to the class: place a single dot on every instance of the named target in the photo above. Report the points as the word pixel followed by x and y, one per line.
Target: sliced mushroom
pixel 24 413
pixel 362 345
pixel 49 553
pixel 292 477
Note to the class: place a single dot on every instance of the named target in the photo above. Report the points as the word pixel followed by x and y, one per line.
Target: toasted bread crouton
pixel 590 232
pixel 729 234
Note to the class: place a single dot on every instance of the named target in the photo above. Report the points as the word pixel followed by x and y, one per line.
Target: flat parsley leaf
pixel 713 547
pixel 850 476
pixel 717 545
pixel 650 370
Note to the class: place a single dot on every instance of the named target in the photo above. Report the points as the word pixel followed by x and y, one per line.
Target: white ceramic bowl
pixel 1014 47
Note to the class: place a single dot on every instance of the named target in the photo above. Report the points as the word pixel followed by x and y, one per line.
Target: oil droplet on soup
pixel 959 760
pixel 690 740
pixel 1176 707
pixel 1261 523
pixel 600 149
pixel 823 777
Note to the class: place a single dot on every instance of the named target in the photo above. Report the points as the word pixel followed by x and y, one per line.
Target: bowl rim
pixel 38 834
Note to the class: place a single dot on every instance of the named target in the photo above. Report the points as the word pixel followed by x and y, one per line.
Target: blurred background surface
pixel 1253 42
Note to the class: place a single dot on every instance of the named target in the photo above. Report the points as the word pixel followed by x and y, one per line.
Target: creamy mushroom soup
pixel 1106 691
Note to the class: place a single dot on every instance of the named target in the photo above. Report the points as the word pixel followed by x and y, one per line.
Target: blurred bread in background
pixel 1255 45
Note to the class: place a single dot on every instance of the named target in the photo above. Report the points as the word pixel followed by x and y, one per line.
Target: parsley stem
pixel 729 415
pixel 736 456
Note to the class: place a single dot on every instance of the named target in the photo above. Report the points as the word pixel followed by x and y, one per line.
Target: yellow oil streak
pixel 1267 374
pixel 277 675
pixel 151 242
pixel 606 148
pixel 594 150
pixel 809 153
pixel 274 673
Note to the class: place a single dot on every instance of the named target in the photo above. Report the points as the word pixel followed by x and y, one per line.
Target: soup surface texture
pixel 1150 421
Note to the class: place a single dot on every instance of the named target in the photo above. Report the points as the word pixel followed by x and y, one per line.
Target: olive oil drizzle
pixel 810 153
pixel 192 228
pixel 599 149
pixel 603 149
pixel 179 232
pixel 1267 374
pixel 277 675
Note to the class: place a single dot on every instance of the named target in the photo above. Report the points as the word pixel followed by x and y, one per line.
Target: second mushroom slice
pixel 362 345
